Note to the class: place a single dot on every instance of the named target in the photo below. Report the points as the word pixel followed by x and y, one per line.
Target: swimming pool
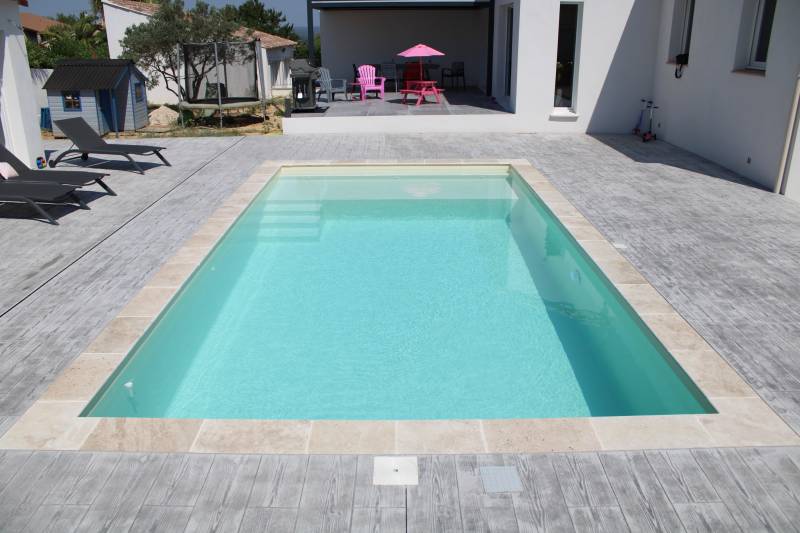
pixel 397 293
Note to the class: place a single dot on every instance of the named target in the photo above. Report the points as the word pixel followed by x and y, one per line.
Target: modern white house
pixel 585 66
pixel 19 125
pixel 276 51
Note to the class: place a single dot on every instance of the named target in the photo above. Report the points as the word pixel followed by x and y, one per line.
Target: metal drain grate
pixel 395 471
pixel 500 479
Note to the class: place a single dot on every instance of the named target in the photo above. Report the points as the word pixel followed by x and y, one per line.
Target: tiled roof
pixel 268 40
pixel 139 7
pixel 36 23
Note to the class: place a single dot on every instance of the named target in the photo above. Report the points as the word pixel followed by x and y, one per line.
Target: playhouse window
pixel 138 92
pixel 72 100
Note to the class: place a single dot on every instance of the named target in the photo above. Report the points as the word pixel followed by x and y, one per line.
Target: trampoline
pixel 222 76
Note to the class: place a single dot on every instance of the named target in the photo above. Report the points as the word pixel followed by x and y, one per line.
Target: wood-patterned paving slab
pixel 696 231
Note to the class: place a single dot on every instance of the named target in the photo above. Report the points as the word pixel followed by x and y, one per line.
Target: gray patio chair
pixel 455 72
pixel 87 141
pixel 76 178
pixel 389 71
pixel 37 194
pixel 331 86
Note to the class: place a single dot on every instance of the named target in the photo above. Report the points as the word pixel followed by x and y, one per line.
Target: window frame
pixel 138 97
pixel 508 63
pixel 573 107
pixel 75 96
pixel 755 37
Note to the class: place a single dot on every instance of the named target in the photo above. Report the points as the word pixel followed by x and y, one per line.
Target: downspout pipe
pixel 791 136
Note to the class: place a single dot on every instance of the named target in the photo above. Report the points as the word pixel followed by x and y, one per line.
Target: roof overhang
pixel 396 4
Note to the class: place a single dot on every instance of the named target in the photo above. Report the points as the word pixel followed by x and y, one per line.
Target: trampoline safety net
pixel 231 72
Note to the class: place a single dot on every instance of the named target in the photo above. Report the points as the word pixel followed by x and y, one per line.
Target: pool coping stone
pixel 53 421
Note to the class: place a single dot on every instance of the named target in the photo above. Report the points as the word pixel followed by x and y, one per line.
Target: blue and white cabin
pixel 110 94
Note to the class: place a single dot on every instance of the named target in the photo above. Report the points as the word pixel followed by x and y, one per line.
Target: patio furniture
pixel 331 86
pixel 455 72
pixel 421 72
pixel 412 72
pixel 422 88
pixel 353 89
pixel 389 71
pixel 61 177
pixel 38 194
pixel 369 82
pixel 87 141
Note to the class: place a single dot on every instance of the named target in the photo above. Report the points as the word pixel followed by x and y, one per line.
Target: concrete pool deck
pixel 53 421
pixel 724 255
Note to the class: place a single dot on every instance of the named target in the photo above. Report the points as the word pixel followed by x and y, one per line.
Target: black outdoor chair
pixel 38 194
pixel 86 141
pixel 455 72
pixel 76 178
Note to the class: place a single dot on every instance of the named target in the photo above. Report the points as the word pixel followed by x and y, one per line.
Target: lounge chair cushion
pixel 7 171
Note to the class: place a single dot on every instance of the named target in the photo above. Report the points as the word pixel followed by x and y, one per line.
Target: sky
pixel 295 10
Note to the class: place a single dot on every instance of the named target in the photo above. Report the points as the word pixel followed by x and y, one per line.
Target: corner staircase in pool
pixel 291 222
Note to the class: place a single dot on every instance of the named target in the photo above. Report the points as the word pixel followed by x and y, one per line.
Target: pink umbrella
pixel 420 51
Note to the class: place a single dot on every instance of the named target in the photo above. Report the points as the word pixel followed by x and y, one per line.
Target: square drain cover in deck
pixel 395 471
pixel 500 479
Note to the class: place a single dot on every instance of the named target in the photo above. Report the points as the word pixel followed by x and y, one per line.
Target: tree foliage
pixel 153 45
pixel 76 37
pixel 301 50
pixel 255 15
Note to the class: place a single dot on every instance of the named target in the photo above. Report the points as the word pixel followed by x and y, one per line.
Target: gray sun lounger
pixel 86 141
pixel 38 194
pixel 62 177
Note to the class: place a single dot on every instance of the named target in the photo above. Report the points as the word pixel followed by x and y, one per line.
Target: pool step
pixel 290 222
pixel 290 219
pixel 291 207
pixel 289 234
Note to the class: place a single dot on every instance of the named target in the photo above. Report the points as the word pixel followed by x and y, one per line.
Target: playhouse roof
pixel 93 74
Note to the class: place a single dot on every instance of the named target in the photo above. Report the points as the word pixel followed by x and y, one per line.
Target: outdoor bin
pixel 303 92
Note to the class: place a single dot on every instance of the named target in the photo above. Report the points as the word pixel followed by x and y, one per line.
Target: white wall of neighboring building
pixel 19 115
pixel 117 20
pixel 376 36
pixel 278 71
pixel 718 111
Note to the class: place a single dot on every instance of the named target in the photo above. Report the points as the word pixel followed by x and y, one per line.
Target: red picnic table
pixel 421 88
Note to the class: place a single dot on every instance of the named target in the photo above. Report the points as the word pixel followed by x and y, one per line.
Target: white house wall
pixel 117 21
pixel 377 36
pixel 19 115
pixel 615 63
pixel 721 114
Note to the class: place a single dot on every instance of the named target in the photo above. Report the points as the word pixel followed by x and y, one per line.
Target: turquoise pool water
pixel 397 293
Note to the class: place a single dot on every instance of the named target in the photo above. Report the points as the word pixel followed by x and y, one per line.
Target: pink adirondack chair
pixel 369 82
